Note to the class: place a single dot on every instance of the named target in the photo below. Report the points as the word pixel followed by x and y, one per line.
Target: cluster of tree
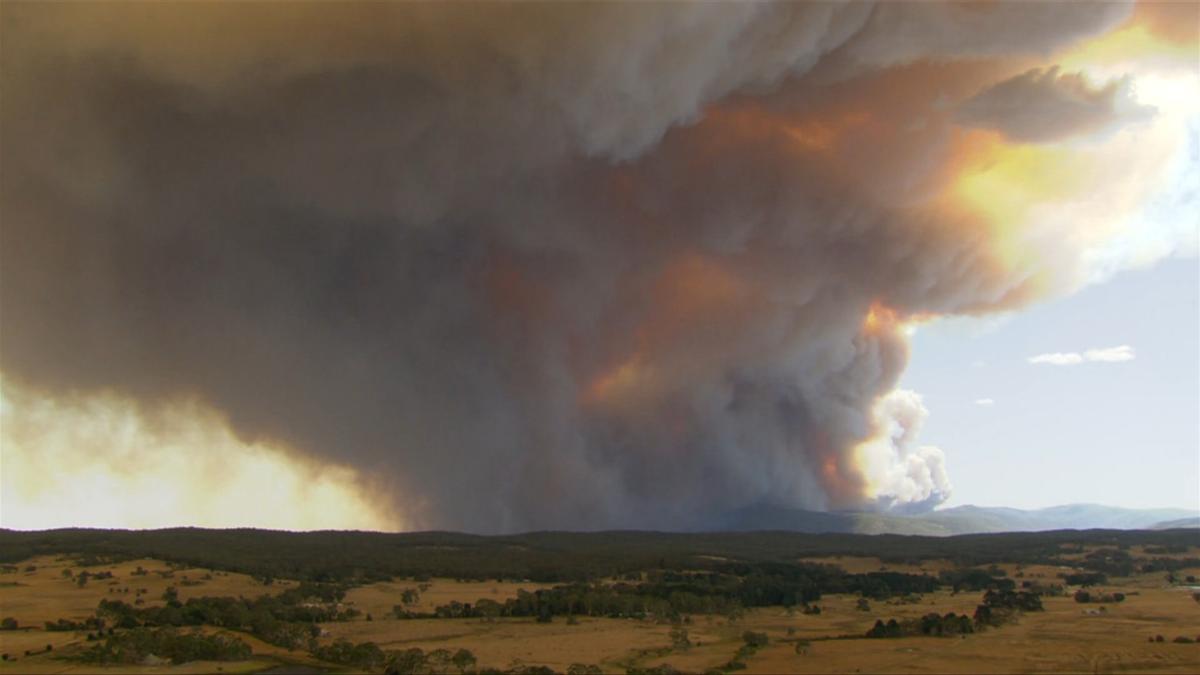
pixel 1114 562
pixel 933 624
pixel 1000 607
pixel 1181 639
pixel 8 623
pixel 415 660
pixel 551 557
pixel 974 579
pixel 364 656
pixel 1024 601
pixel 91 560
pixel 63 625
pixel 1167 564
pixel 660 669
pixel 1047 590
pixel 1085 579
pixel 1082 596
pixel 1164 550
pixel 288 619
pixel 134 646
pixel 672 594
pixel 910 599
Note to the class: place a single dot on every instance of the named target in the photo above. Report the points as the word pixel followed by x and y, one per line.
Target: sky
pixel 507 267
pixel 1031 435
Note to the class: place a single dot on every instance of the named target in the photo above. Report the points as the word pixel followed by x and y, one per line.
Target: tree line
pixel 547 557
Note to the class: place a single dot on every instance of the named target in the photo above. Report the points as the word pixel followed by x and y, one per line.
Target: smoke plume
pixel 527 266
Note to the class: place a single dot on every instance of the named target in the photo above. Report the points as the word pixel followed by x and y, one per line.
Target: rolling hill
pixel 958 520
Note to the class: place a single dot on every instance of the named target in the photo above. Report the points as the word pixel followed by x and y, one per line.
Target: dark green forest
pixel 553 557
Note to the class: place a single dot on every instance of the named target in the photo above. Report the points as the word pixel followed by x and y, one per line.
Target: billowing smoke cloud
pixel 1045 105
pixel 904 475
pixel 528 266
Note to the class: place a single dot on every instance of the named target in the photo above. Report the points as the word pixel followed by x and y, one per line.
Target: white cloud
pixel 1058 358
pixel 1105 355
pixel 985 401
pixel 1111 354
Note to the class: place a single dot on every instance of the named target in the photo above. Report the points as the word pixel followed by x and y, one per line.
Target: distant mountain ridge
pixel 958 520
pixel 1186 523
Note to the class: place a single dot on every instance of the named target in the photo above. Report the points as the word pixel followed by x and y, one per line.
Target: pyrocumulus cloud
pixel 543 265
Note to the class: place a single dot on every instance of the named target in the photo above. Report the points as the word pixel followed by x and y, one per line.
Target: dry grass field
pixel 1066 637
pixel 45 594
pixel 379 599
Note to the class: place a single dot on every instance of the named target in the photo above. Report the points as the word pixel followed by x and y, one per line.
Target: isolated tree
pixel 463 659
pixel 410 596
pixel 8 623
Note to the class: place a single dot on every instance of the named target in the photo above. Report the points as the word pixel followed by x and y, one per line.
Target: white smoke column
pixel 902 474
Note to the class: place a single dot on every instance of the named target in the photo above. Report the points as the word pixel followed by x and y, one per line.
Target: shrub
pixel 661 669
pixel 463 659
pixel 753 639
pixel 679 638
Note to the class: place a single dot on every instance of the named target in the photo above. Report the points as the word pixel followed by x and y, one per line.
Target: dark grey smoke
pixel 526 266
